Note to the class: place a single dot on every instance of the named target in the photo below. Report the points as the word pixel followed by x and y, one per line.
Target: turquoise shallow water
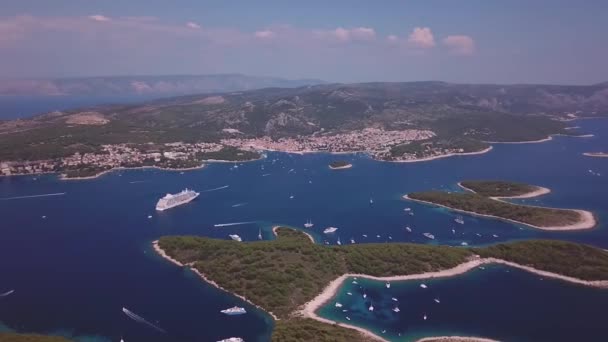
pixel 74 270
pixel 496 302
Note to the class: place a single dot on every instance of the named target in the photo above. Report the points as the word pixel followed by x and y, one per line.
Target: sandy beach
pixel 455 339
pixel 596 154
pixel 309 309
pixel 549 138
pixel 587 220
pixel 162 253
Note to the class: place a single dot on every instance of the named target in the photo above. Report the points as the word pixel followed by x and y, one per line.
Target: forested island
pixel 340 164
pixel 485 201
pixel 281 276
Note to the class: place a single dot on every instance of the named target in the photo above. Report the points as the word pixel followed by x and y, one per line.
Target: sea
pixel 77 252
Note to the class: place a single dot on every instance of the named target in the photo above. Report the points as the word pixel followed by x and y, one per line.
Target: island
pixel 596 154
pixel 291 277
pixel 13 337
pixel 340 165
pixel 485 198
pixel 395 122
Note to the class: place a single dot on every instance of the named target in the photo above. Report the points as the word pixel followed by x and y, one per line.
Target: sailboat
pixel 260 234
pixel 339 242
pixel 371 307
pixel 459 219
pixel 388 285
pixel 371 201
pixel 308 224
pixel 396 309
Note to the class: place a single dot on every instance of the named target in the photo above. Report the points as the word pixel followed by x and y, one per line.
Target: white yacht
pixel 235 237
pixel 388 285
pixel 429 235
pixel 308 224
pixel 330 230
pixel 459 219
pixel 423 286
pixel 338 305
pixel 396 309
pixel 232 339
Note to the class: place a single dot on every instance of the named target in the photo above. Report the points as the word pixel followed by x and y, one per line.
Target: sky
pixel 475 41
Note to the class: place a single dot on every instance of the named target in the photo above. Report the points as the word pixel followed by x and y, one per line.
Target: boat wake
pixel 215 189
pixel 140 319
pixel 238 205
pixel 7 293
pixel 32 196
pixel 233 224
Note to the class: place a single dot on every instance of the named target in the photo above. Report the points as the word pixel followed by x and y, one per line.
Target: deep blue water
pixel 15 107
pixel 74 270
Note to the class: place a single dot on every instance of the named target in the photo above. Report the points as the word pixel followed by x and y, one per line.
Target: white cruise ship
pixel 235 310
pixel 173 200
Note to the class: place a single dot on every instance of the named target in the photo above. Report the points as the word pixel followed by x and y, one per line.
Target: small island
pixel 596 154
pixel 291 277
pixel 340 165
pixel 483 198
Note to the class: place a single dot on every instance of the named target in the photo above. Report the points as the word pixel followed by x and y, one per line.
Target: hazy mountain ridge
pixel 460 115
pixel 169 85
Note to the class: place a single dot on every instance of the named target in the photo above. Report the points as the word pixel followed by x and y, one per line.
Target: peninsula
pixel 340 165
pixel 291 277
pixel 485 198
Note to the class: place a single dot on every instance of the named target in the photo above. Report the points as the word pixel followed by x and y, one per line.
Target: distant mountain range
pixel 146 85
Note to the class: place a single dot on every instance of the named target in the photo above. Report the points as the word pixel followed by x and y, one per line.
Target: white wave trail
pixel 232 224
pixel 32 196
pixel 140 319
pixel 6 293
pixel 238 205
pixel 220 188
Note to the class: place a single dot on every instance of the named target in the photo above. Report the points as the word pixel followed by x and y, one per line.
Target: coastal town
pixel 171 156
pixel 181 155
pixel 378 143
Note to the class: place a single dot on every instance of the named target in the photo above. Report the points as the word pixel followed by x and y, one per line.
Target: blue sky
pixel 477 41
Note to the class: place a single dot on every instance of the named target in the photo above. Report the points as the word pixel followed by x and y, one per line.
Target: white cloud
pixel 342 34
pixel 363 33
pixel 354 34
pixel 392 38
pixel 99 17
pixel 460 44
pixel 193 25
pixel 265 34
pixel 422 37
